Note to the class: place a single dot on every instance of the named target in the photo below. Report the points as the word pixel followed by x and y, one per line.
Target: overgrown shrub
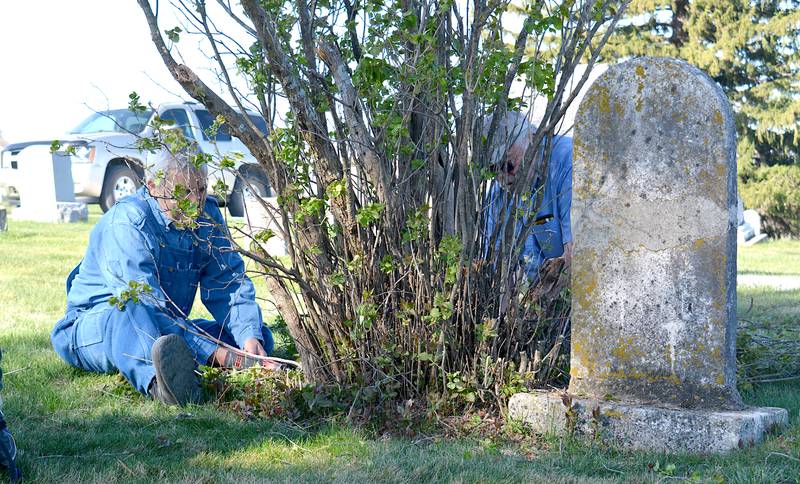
pixel 381 167
pixel 774 192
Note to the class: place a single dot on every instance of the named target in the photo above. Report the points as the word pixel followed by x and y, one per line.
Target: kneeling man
pixel 547 250
pixel 129 299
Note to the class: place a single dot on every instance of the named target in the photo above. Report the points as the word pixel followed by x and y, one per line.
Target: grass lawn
pixel 75 426
pixel 774 257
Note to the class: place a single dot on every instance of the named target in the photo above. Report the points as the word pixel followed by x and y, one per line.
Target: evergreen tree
pixel 750 47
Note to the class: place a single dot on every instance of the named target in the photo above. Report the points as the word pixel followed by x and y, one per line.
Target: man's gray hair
pixel 513 129
pixel 164 163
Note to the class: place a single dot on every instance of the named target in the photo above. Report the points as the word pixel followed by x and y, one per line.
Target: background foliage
pixel 752 49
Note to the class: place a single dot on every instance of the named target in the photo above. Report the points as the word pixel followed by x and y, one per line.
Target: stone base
pixel 755 240
pixel 67 212
pixel 641 427
pixel 71 212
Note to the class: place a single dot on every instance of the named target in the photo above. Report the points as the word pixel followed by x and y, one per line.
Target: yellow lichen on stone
pixel 721 169
pixel 584 294
pixel 640 71
pixel 718 117
pixel 584 280
pixel 626 349
pixel 604 103
pixel 581 362
pixel 699 243
pixel 638 375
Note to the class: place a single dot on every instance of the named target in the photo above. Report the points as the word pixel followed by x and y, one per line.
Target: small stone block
pixel 648 428
pixel 3 219
pixel 755 240
pixel 71 212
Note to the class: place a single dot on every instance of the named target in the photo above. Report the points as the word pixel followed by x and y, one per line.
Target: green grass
pixel 774 257
pixel 76 426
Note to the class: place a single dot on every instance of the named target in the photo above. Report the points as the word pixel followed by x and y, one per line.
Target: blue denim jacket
pixel 552 229
pixel 135 241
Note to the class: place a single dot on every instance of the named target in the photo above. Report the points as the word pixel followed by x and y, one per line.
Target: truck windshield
pixel 206 120
pixel 114 121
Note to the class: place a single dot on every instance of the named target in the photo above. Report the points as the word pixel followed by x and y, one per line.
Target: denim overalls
pixel 551 229
pixel 135 242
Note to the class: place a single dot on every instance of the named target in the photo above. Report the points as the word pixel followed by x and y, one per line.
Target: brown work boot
pixel 175 382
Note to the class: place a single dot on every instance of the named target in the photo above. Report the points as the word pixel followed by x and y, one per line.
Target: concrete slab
pixel 647 427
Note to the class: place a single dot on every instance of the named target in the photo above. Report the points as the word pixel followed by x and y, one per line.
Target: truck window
pixel 181 120
pixel 114 121
pixel 206 120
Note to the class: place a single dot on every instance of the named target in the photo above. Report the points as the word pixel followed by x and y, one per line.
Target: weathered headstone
pixel 46 192
pixel 654 268
pixel 3 219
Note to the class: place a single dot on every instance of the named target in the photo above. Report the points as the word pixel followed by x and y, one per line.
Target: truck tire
pixel 258 184
pixel 120 182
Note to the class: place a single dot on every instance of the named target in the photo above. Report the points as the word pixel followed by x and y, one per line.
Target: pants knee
pixel 61 338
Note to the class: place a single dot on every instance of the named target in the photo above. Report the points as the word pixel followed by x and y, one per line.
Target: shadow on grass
pixel 75 426
pixel 132 439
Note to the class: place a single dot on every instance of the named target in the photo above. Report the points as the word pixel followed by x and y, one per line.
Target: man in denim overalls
pixel 129 299
pixel 547 250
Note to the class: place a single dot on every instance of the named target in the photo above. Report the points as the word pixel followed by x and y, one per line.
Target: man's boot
pixel 175 382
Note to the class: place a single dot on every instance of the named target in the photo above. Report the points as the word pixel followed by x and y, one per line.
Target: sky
pixel 62 60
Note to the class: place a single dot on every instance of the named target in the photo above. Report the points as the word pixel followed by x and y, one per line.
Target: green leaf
pixel 369 214
pixel 336 189
pixel 264 235
pixel 337 279
pixel 134 103
pixel 201 159
pixel 220 188
pixel 227 162
pixel 173 34
pixel 387 264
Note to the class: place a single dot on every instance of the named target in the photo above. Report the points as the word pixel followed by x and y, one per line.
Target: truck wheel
pixel 120 182
pixel 259 186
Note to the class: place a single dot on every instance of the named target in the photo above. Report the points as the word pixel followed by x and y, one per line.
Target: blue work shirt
pixel 552 227
pixel 135 241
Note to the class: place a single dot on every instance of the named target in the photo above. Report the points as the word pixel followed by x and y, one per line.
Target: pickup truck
pixel 107 165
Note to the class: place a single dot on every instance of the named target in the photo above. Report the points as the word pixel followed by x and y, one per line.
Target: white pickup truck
pixel 107 165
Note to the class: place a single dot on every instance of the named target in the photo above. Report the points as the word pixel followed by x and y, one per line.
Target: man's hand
pixel 253 346
pixel 567 255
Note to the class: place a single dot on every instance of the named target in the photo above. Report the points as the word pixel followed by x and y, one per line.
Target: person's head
pixel 509 143
pixel 177 184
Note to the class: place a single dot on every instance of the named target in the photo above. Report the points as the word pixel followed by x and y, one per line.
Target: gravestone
pixel 654 213
pixel 46 191
pixel 3 219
